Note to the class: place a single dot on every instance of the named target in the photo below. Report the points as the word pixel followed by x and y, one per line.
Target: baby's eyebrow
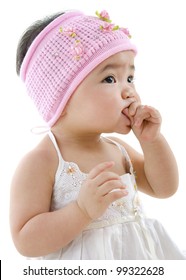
pixel 116 66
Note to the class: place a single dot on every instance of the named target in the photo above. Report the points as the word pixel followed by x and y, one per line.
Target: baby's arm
pixel 36 231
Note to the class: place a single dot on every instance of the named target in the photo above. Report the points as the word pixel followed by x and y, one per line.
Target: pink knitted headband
pixel 64 53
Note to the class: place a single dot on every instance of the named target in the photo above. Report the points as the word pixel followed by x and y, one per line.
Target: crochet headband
pixel 64 53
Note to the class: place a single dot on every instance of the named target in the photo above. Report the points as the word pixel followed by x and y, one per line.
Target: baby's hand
pixel 99 190
pixel 146 123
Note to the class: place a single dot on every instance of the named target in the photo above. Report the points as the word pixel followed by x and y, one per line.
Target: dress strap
pixel 61 161
pixel 53 139
pixel 124 152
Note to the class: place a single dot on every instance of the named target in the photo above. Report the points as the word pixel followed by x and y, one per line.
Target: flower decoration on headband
pixel 77 50
pixel 77 47
pixel 107 26
pixel 103 16
pixel 69 31
pixel 126 31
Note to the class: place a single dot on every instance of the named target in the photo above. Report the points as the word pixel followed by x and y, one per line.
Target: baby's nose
pixel 127 92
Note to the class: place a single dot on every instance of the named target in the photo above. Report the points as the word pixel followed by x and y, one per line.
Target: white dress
pixel 122 233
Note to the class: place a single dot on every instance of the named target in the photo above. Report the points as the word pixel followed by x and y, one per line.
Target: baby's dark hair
pixel 29 35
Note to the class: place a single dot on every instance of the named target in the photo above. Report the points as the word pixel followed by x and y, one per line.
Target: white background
pixel 158 30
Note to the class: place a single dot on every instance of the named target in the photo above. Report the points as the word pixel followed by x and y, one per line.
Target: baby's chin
pixel 124 130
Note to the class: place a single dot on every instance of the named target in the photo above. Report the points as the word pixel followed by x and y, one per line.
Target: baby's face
pixel 99 102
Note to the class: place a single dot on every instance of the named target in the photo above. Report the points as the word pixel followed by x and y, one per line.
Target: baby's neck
pixel 89 140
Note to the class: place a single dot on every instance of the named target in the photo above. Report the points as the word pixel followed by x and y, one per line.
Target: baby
pixel 75 195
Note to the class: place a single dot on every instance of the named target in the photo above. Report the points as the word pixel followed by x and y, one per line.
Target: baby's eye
pixel 130 79
pixel 109 80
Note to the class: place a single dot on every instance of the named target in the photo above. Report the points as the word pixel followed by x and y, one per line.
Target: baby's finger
pixel 133 108
pixel 146 113
pixel 99 169
pixel 129 101
pixel 113 196
pixel 104 177
pixel 110 186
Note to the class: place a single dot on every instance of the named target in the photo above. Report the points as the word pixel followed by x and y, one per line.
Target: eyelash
pixel 130 79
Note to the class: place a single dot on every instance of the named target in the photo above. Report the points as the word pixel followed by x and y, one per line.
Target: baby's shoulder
pixel 40 161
